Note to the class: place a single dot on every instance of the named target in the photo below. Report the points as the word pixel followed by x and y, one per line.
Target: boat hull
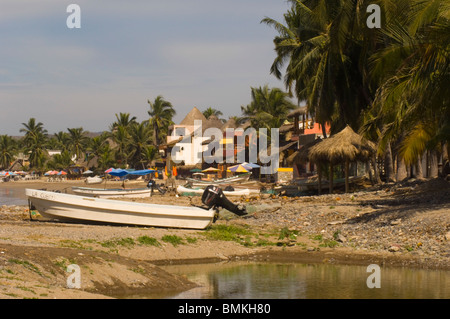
pixel 239 192
pixel 221 182
pixel 112 193
pixel 93 180
pixel 67 207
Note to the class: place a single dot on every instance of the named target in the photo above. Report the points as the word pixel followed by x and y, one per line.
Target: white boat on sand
pixel 199 191
pixel 112 192
pixel 220 182
pixel 93 180
pixel 68 207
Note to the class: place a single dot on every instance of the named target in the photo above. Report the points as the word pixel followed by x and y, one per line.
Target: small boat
pixel 222 181
pixel 199 191
pixel 93 180
pixel 68 207
pixel 112 192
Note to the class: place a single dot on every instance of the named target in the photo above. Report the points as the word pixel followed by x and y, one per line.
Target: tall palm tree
pixel 35 140
pixel 161 113
pixel 123 119
pixel 140 138
pixel 8 149
pixel 121 137
pixel 77 141
pixel 323 44
pixel 413 72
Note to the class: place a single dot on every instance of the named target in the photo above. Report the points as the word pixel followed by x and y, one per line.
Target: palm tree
pixel 323 44
pixel 268 108
pixel 211 111
pixel 161 114
pixel 60 161
pixel 77 142
pixel 149 154
pixel 105 158
pixel 8 149
pixel 121 137
pixel 412 69
pixel 140 138
pixel 96 145
pixel 35 142
pixel 123 119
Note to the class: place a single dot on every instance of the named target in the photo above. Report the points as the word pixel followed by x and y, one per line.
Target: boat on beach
pixel 93 180
pixel 69 207
pixel 143 192
pixel 220 182
pixel 182 190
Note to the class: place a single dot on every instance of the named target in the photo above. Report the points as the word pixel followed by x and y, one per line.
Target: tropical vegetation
pixel 390 84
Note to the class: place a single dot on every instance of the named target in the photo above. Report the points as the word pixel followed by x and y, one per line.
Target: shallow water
pixel 12 196
pixel 308 281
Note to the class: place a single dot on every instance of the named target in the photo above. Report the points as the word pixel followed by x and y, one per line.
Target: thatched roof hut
pixel 193 115
pixel 343 147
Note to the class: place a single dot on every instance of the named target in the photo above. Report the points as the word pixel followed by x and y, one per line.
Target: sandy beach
pixel 395 224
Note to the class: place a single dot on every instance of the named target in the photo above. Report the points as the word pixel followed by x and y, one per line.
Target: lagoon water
pixel 308 281
pixel 12 196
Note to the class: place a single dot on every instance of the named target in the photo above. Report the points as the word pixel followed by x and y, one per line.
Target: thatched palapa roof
pixel 341 147
pixel 302 155
pixel 193 115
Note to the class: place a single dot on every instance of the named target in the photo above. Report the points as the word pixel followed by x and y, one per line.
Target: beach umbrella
pixel 250 165
pixel 62 173
pixel 238 169
pixel 88 172
pixel 195 170
pixel 141 172
pixel 118 172
pixel 109 170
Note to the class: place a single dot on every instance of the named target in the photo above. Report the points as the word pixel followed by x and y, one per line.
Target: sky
pixel 202 53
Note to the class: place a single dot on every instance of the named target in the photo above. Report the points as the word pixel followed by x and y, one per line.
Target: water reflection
pixel 308 281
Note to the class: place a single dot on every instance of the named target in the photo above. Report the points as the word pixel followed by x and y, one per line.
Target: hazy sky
pixel 192 52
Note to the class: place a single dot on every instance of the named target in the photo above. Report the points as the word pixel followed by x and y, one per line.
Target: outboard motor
pixel 213 197
pixel 152 185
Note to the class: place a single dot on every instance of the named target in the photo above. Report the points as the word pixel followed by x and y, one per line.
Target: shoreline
pixel 394 226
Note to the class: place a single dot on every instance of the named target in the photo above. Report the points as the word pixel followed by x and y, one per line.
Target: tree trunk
pixel 434 165
pixel 389 164
pixel 401 169
pixel 419 168
pixel 375 170
pixel 331 178
pixel 346 175
pixel 445 160
pixel 319 172
pixel 324 130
